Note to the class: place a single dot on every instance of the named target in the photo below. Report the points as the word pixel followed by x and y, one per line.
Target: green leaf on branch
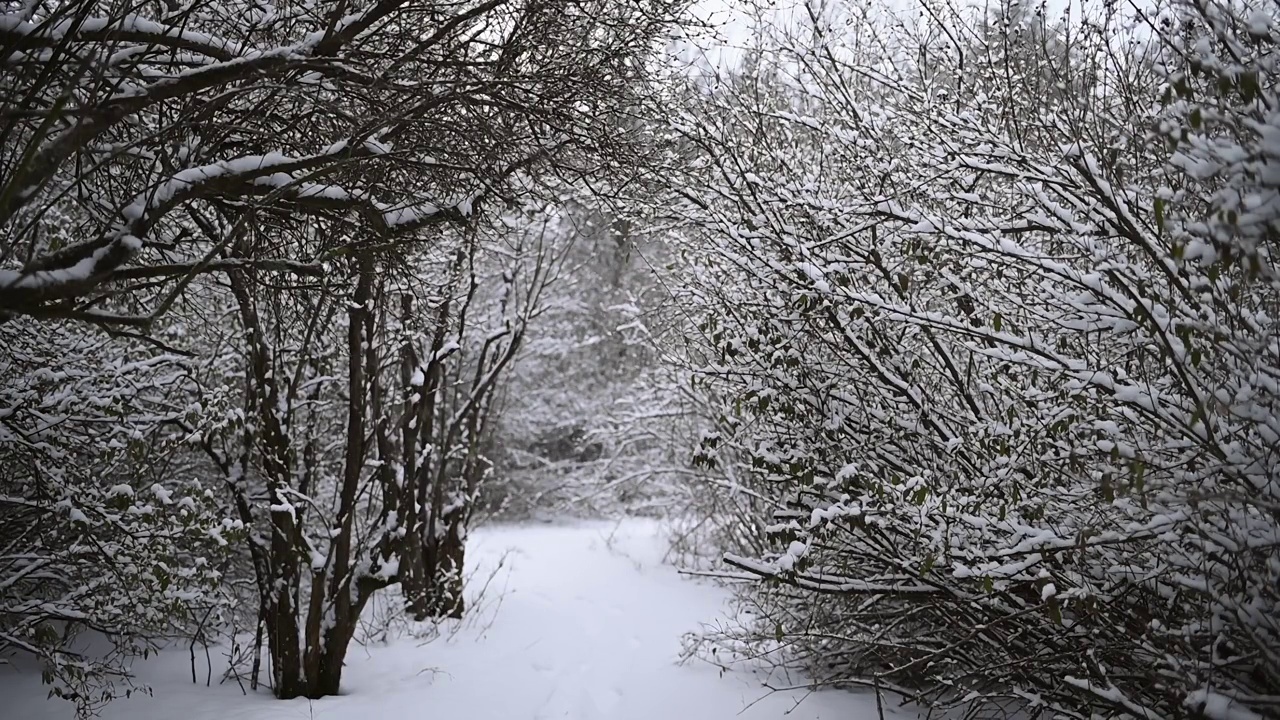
pixel 927 566
pixel 1055 611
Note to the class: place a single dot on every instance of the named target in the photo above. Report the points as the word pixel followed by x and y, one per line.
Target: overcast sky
pixel 731 21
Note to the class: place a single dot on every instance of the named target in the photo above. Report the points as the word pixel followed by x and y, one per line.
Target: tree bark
pixel 417 560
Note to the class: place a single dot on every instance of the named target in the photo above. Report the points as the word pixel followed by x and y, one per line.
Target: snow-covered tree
pixel 128 121
pixel 342 424
pixel 440 454
pixel 299 192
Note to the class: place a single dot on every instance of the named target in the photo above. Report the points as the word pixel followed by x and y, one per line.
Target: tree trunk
pixel 431 579
pixel 450 602
pixel 415 581
pixel 282 647
pixel 296 678
pixel 328 681
pixel 443 594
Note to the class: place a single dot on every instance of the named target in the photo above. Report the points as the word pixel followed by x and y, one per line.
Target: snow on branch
pixel 71 271
pixel 826 584
pixel 131 28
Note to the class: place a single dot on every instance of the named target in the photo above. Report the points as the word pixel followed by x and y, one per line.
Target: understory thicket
pixel 989 306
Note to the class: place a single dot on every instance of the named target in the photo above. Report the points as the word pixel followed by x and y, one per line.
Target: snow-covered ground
pixel 580 622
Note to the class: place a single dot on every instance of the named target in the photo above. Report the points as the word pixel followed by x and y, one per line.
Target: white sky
pixel 731 21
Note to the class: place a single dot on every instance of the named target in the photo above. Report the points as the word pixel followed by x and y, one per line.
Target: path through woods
pixel 581 622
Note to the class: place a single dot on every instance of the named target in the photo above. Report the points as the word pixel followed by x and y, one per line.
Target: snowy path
pixel 588 628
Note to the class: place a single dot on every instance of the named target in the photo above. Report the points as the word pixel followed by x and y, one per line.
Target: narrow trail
pixel 579 622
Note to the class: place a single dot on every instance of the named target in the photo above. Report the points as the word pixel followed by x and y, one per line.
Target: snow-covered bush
pixel 994 310
pixel 106 525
